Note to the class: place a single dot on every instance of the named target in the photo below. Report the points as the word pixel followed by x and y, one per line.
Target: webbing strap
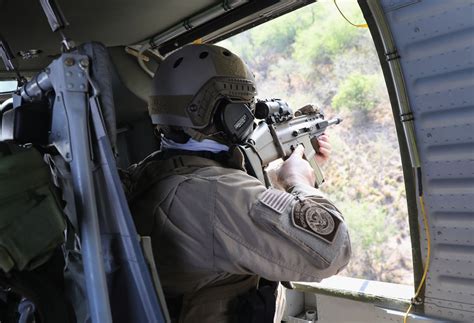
pixel 154 170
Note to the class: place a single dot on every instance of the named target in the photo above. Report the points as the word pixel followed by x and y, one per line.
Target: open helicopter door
pixel 426 49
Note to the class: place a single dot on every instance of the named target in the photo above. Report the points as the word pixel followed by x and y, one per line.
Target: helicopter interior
pixel 426 52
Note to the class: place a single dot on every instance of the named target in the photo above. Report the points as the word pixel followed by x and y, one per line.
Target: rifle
pixel 279 132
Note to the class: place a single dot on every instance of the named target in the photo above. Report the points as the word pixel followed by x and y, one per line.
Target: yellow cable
pixel 427 261
pixel 355 25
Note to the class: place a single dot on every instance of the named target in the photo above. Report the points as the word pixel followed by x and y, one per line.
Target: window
pixel 313 55
pixel 7 86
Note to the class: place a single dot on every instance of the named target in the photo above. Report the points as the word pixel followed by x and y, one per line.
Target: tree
pixel 357 92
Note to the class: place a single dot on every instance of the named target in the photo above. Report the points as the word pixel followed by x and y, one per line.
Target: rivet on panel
pixel 69 61
pixel 84 62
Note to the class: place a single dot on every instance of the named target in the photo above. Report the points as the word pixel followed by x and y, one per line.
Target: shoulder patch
pixel 276 200
pixel 315 219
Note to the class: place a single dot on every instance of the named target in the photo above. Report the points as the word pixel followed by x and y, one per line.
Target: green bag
pixel 31 222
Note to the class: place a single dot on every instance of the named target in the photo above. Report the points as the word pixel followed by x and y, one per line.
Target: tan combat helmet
pixel 190 82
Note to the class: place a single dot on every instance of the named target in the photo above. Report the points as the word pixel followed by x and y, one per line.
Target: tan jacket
pixel 215 228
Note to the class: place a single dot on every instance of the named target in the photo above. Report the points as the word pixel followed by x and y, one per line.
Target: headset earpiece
pixel 236 119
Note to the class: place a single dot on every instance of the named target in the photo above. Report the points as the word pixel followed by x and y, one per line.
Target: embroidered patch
pixel 276 200
pixel 315 219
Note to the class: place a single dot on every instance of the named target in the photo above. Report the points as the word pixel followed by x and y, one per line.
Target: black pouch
pixel 258 305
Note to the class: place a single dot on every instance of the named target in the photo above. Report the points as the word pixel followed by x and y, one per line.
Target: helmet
pixel 199 81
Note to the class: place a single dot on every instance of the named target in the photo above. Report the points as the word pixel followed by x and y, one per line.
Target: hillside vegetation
pixel 314 56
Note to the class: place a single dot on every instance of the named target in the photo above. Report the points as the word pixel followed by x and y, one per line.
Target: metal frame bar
pixel 228 18
pixel 104 220
pixel 70 85
pixel 409 157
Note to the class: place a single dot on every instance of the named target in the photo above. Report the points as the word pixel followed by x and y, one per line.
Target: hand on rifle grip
pixel 296 170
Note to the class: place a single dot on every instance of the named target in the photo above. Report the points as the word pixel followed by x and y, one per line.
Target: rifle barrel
pixel 334 121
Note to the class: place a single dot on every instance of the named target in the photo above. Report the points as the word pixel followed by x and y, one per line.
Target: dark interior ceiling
pixel 113 22
pixel 124 22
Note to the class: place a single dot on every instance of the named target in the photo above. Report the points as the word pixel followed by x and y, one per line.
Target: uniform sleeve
pixel 299 236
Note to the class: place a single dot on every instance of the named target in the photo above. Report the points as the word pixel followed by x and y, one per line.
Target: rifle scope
pixel 272 108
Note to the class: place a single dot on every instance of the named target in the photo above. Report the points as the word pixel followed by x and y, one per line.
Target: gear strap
pixel 141 177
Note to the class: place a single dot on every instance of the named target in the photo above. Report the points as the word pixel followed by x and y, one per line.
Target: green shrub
pixel 357 92
pixel 328 36
pixel 278 35
pixel 367 224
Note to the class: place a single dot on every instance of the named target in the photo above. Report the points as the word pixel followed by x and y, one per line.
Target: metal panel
pixel 435 40
pixel 332 309
pixel 108 21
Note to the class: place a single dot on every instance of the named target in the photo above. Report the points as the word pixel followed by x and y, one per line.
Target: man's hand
pixel 296 170
pixel 323 149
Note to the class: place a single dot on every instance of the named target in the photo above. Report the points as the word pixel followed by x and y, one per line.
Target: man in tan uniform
pixel 214 228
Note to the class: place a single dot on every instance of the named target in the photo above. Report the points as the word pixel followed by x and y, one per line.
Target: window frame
pixel 410 179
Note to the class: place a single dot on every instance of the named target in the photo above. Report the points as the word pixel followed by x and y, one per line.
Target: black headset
pixel 236 119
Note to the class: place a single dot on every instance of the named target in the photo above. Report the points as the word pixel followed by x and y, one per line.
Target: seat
pixel 131 86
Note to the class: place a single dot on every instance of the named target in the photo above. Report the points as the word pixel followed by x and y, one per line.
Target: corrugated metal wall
pixel 435 39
